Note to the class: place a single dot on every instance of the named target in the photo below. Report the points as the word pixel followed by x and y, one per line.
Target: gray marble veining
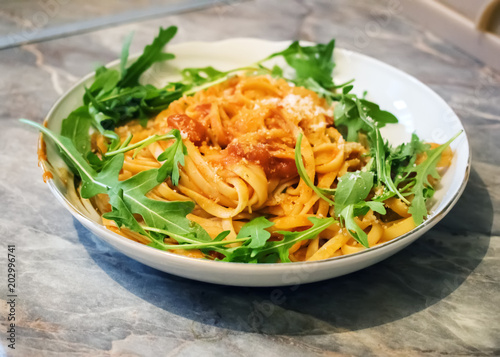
pixel 78 296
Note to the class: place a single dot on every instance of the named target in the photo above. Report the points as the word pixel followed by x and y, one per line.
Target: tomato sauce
pixel 262 154
pixel 195 131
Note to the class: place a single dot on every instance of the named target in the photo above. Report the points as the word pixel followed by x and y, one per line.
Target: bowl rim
pixel 430 221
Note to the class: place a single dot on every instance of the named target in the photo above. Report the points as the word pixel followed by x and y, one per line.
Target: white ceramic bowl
pixel 418 108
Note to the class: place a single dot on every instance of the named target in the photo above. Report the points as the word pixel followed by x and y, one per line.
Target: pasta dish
pixel 248 165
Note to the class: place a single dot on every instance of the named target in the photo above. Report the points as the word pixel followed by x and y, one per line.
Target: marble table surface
pixel 79 297
pixel 26 21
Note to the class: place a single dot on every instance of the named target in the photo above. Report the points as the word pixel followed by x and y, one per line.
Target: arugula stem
pixel 343 84
pixel 222 79
pixel 302 171
pixel 354 229
pixel 121 94
pixel 205 86
pixel 311 232
pixel 127 141
pixel 139 143
pixel 76 161
pixel 194 244
pixel 328 191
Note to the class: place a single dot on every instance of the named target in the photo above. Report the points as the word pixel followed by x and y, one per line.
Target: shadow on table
pixel 417 277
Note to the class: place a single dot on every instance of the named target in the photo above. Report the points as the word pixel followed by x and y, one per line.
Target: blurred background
pixel 472 25
pixel 24 21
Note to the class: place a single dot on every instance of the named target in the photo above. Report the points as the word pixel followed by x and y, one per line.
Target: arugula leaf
pixel 197 76
pixel 347 214
pixel 310 62
pixel 103 123
pixel 383 165
pixel 355 115
pixel 173 156
pixel 122 216
pixel 76 127
pixel 274 250
pixel 290 238
pixel 422 189
pixel 346 116
pixel 352 188
pixel 256 234
pixel 116 96
pixel 220 237
pixel 381 117
pixel 125 53
pixel 290 50
pixel 197 79
pixel 256 230
pixel 314 62
pixel 276 71
pixel 311 84
pixel 170 216
pixel 105 80
pixel 152 53
pixel 68 150
pixel 407 151
pixel 123 104
pixel 313 67
pixel 402 158
pixel 351 211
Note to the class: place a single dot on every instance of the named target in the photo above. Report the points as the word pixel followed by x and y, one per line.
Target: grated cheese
pixel 296 105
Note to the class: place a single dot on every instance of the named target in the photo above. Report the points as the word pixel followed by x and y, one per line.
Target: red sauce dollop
pixel 262 154
pixel 195 131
